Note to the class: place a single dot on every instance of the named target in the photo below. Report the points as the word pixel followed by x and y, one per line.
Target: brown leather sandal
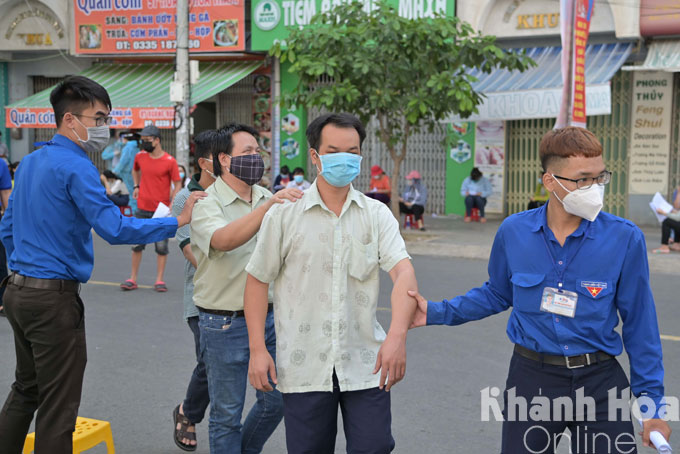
pixel 182 432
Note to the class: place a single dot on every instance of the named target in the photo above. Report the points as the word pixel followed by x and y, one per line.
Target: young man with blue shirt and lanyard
pixel 568 272
pixel 57 200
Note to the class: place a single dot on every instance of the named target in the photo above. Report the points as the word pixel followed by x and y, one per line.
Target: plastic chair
pixel 88 433
pixel 410 222
pixel 474 215
pixel 126 211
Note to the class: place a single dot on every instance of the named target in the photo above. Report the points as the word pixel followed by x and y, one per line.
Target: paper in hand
pixel 162 211
pixel 659 202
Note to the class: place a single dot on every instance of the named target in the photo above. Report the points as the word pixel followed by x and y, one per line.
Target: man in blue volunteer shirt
pixel 569 271
pixel 57 199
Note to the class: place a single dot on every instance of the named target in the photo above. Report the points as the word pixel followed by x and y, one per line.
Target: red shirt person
pixel 154 174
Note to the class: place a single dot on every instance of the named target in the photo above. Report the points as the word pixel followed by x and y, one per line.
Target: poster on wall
pixel 650 136
pixel 262 121
pixel 490 159
pixel 148 27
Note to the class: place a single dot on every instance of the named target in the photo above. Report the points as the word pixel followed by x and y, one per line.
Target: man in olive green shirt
pixel 224 234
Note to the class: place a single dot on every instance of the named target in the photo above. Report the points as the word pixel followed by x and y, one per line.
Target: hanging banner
pixel 650 135
pixel 149 27
pixel 134 118
pixel 576 16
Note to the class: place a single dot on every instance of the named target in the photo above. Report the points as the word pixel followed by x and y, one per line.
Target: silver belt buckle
pixel 569 366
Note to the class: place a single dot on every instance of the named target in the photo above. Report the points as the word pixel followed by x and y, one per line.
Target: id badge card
pixel 558 301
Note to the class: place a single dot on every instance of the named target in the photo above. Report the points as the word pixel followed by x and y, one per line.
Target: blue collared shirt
pixel 57 199
pixel 611 262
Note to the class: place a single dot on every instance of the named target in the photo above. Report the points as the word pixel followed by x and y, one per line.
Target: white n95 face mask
pixel 584 203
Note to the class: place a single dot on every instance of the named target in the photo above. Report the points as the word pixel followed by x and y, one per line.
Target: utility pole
pixel 182 77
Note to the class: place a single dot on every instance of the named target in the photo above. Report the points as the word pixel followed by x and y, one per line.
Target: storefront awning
pixel 140 93
pixel 537 92
pixel 661 56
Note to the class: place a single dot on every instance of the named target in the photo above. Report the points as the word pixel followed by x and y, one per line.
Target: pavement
pixel 450 236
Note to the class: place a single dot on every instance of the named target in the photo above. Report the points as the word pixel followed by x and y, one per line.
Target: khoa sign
pixel 271 18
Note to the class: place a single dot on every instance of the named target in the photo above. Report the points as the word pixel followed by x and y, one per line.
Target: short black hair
pixel 475 174
pixel 76 93
pixel 299 170
pixel 224 142
pixel 285 170
pixel 341 120
pixel 205 142
pixel 110 175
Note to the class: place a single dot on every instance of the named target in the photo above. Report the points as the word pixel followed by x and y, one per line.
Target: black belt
pixel 570 362
pixel 232 314
pixel 59 285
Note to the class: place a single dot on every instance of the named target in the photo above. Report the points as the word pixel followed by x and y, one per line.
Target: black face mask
pixel 146 145
pixel 247 168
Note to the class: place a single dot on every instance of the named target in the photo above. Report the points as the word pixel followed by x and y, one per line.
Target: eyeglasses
pixel 99 121
pixel 585 183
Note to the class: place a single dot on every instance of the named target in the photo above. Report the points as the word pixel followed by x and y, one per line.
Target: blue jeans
pixel 197 397
pixel 226 353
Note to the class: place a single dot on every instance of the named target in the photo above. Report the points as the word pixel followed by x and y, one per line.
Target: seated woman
pixel 475 188
pixel 671 223
pixel 298 181
pixel 380 188
pixel 414 198
pixel 116 190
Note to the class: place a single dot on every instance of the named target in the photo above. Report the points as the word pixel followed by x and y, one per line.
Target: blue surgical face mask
pixel 299 179
pixel 339 169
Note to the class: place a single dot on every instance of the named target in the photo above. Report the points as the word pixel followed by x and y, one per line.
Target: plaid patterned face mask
pixel 248 168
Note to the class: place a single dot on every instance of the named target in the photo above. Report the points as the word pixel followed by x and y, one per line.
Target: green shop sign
pixel 271 18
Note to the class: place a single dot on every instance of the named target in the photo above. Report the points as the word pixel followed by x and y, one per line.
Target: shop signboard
pixel 149 26
pixel 650 135
pixel 272 19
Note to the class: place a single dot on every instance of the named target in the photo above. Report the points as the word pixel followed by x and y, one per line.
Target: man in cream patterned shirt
pixel 323 255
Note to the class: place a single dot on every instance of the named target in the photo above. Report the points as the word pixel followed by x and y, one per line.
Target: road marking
pixel 670 338
pixel 114 284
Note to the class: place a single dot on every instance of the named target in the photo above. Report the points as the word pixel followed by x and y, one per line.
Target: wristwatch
pixel 135 187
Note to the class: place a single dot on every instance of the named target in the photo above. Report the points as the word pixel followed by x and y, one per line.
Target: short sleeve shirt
pixel 157 176
pixel 220 278
pixel 325 272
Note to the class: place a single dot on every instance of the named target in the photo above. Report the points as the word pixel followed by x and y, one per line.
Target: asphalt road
pixel 141 356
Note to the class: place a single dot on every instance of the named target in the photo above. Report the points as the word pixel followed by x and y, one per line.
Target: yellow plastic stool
pixel 87 434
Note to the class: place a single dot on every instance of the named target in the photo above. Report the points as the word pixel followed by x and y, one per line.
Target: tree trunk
pixel 394 197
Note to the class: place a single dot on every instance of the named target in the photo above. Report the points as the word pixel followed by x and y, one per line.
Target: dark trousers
pixel 311 421
pixel 531 379
pixel 474 201
pixel 533 204
pixel 384 198
pixel 119 199
pixel 3 269
pixel 416 210
pixel 49 337
pixel 667 225
pixel 197 398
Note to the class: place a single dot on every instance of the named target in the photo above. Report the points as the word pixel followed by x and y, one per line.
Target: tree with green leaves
pixel 408 74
